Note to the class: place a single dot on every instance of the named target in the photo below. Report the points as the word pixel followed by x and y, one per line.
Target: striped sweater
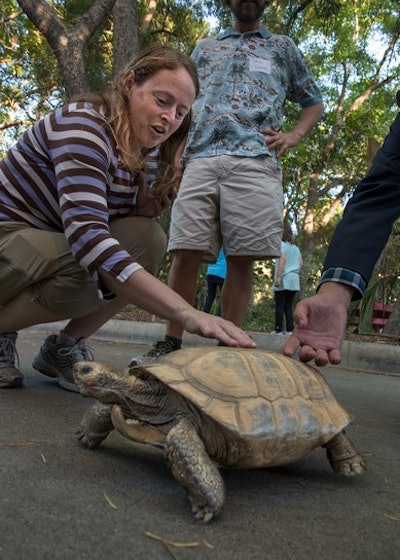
pixel 65 174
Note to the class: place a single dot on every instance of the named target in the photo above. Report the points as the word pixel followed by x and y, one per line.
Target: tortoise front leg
pixel 343 456
pixel 193 468
pixel 95 425
pixel 142 433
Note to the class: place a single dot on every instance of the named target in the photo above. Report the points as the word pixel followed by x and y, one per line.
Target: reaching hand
pixel 320 324
pixel 211 326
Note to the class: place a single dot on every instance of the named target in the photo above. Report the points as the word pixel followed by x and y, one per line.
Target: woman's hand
pixel 212 326
pixel 147 292
pixel 149 204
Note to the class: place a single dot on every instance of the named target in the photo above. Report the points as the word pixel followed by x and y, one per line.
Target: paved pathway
pixel 59 501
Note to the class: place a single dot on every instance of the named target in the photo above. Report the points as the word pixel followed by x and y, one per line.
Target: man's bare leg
pixel 182 279
pixel 237 289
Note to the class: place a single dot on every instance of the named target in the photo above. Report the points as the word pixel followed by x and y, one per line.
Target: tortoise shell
pixel 281 407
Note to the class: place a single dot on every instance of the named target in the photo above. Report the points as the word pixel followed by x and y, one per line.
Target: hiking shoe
pixel 57 359
pixel 160 348
pixel 10 376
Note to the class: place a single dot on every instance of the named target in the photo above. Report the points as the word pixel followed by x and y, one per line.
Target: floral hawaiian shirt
pixel 245 80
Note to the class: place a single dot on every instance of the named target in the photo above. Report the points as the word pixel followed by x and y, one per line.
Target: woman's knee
pixel 143 238
pixel 67 296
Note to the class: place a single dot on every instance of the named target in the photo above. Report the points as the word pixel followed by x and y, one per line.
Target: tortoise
pixel 212 407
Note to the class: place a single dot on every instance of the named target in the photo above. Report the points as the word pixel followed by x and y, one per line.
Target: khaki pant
pixel 232 201
pixel 41 261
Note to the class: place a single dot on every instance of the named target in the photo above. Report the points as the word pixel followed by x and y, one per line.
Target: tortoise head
pixel 136 390
pixel 104 383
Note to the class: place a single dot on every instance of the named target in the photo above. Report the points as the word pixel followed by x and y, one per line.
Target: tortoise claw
pixel 203 514
pixel 343 457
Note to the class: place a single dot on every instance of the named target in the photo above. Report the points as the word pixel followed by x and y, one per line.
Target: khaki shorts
pixel 229 201
pixel 41 261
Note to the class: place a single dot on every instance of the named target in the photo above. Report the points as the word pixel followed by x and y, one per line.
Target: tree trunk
pixel 68 44
pixel 393 325
pixel 125 33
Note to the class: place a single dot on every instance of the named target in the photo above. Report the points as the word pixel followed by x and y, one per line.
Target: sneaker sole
pixel 43 367
pixel 149 358
pixel 12 384
pixel 67 385
pixel 48 370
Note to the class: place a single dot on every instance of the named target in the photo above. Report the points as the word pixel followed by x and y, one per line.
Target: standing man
pixel 231 189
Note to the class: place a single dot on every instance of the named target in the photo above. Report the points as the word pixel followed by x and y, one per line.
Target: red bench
pixel 381 314
pixel 380 317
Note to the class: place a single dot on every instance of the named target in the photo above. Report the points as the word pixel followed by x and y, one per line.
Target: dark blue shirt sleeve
pixel 367 221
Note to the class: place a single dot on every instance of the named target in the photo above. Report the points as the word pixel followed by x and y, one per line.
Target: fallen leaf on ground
pixel 17 444
pixel 172 543
pixel 392 517
pixel 109 501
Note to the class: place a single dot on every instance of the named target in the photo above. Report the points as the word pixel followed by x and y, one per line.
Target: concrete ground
pixel 59 501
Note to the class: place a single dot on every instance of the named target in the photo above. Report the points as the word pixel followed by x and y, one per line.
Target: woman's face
pixel 159 105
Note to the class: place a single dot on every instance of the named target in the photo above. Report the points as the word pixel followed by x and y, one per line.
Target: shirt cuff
pixel 345 276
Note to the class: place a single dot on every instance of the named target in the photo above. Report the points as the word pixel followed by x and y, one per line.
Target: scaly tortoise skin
pixel 212 407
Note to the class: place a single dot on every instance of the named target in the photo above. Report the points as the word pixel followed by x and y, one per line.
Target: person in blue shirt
pixel 216 274
pixel 231 190
pixel 286 281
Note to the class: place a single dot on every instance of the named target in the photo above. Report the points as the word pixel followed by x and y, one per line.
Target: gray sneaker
pixel 160 348
pixel 10 376
pixel 57 359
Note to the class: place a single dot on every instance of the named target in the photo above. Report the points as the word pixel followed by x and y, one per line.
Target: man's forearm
pixel 309 117
pixel 339 293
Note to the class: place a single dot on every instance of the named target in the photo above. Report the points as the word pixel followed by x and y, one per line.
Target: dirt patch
pixel 376 338
pixel 132 313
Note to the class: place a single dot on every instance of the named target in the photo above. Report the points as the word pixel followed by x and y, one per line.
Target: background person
pixel 231 190
pixel 358 240
pixel 75 221
pixel 286 281
pixel 216 274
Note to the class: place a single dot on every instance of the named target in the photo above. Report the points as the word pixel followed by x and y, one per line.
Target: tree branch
pixel 45 19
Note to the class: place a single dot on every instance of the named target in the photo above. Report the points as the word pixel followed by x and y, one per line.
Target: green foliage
pixel 261 313
pixel 353 49
pixel 180 23
pixel 28 72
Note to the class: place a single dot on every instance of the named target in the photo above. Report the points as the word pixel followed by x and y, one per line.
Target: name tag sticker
pixel 260 65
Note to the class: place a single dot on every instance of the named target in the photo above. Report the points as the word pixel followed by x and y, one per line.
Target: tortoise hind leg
pixel 343 456
pixel 193 468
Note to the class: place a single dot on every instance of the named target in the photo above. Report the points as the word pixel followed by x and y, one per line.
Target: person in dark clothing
pixel 358 240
